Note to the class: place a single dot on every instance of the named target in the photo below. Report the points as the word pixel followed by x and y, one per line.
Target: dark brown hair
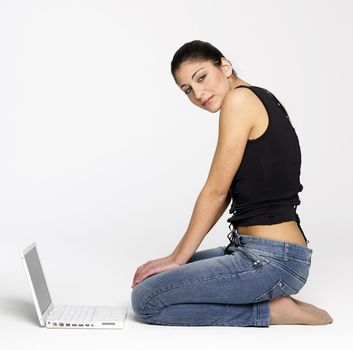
pixel 196 50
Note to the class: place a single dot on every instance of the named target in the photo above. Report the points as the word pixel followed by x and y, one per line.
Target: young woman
pixel 257 164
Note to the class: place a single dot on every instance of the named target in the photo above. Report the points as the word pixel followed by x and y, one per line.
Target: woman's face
pixel 205 84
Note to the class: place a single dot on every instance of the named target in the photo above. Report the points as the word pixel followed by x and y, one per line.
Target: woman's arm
pixel 202 206
pixel 221 211
pixel 235 123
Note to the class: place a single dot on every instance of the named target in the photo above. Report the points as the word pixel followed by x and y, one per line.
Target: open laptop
pixel 65 316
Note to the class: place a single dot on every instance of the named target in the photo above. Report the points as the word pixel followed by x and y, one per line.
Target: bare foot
pixel 287 310
pixel 305 305
pixel 311 308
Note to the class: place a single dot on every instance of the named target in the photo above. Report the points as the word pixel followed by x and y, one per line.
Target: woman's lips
pixel 207 102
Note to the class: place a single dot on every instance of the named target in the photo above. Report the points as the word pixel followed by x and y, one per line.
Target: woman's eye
pixel 187 90
pixel 202 78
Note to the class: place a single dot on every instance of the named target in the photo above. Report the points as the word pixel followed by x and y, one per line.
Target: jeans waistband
pixel 270 246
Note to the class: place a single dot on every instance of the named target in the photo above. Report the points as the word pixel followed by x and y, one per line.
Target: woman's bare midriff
pixel 285 231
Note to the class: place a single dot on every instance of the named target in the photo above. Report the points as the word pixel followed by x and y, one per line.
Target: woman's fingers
pixel 152 267
pixel 139 273
pixel 146 270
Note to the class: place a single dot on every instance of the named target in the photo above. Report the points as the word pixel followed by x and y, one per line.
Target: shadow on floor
pixel 20 309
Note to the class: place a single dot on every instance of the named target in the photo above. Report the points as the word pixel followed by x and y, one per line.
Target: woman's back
pixel 266 186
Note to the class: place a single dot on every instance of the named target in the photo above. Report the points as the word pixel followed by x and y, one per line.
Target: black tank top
pixel 265 188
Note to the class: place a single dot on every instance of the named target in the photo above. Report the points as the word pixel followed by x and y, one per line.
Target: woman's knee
pixel 138 299
pixel 145 302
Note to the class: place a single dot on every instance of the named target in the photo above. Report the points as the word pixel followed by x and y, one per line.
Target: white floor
pixel 70 281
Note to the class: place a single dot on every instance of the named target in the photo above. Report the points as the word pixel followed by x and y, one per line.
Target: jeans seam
pixel 221 276
pixel 216 323
pixel 185 283
pixel 202 324
pixel 290 271
pixel 260 315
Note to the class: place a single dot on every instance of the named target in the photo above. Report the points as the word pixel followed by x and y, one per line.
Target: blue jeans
pixel 224 286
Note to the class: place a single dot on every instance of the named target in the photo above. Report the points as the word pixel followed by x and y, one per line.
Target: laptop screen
pixel 38 280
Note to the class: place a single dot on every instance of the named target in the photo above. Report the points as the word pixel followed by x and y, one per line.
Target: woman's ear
pixel 226 67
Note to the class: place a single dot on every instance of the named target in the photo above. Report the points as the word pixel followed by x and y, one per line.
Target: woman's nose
pixel 198 92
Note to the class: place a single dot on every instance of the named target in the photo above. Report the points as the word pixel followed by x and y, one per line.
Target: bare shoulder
pixel 240 103
pixel 240 97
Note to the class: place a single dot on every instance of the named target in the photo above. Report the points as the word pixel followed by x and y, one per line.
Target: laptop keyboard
pixel 77 314
pixel 86 316
pixel 74 314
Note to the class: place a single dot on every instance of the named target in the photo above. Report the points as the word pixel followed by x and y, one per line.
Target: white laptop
pixel 65 316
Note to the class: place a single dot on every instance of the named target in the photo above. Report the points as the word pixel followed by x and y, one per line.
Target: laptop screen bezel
pixel 42 317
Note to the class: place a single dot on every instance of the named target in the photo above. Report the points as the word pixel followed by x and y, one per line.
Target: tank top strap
pixel 259 92
pixel 247 86
pixel 257 89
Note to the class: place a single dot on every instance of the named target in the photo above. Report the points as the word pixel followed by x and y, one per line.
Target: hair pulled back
pixel 196 50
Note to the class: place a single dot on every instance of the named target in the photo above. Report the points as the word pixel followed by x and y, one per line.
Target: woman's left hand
pixel 153 267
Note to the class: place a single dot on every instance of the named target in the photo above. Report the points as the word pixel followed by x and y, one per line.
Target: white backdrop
pixel 103 157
